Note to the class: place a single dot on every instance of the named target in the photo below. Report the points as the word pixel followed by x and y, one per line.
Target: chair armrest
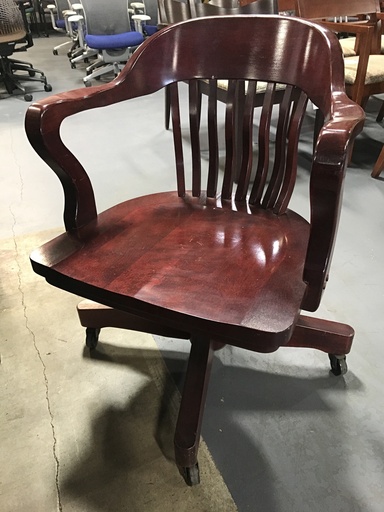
pixel 140 17
pixel 42 124
pixel 332 154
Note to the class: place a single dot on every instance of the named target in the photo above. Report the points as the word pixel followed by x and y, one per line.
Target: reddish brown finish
pixel 234 266
pixel 174 10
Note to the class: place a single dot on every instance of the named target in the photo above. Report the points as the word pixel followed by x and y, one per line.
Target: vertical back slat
pixel 230 139
pixel 279 166
pixel 247 143
pixel 177 139
pixel 213 169
pixel 263 142
pixel 298 113
pixel 194 125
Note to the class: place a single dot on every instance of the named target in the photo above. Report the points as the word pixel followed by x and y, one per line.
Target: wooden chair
pixel 220 263
pixel 364 72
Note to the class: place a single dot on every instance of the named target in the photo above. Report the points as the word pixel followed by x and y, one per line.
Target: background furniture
pixel 364 72
pixel 15 37
pixel 60 12
pixel 219 262
pixel 108 30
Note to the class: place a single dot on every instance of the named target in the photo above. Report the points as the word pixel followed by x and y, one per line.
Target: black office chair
pixel 15 37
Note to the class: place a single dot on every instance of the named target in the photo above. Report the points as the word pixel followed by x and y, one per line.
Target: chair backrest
pixel 275 49
pixel 106 18
pixel 341 8
pixel 254 7
pixel 61 5
pixel 12 27
pixel 173 11
pixel 286 5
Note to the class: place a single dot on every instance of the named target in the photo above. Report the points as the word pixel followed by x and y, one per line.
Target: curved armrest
pixel 42 125
pixel 331 158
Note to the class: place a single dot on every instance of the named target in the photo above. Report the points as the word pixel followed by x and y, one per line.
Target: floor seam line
pixel 44 368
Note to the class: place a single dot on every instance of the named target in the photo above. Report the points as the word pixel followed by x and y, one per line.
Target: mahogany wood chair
pixel 364 72
pixel 216 262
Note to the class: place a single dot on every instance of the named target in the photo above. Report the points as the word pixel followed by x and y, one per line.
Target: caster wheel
pixel 91 337
pixel 47 87
pixel 31 73
pixel 191 475
pixel 338 364
pixel 86 61
pixel 28 97
pixel 69 55
pixel 87 84
pixel 55 52
pixel 73 65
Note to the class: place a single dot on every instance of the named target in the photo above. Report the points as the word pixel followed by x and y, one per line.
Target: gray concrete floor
pixel 284 433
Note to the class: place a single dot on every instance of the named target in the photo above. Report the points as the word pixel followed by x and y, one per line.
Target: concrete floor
pixel 285 435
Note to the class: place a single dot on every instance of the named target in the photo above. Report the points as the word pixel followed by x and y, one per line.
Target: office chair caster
pixel 28 97
pixel 55 52
pixel 73 65
pixel 338 364
pixel 47 87
pixel 91 337
pixel 191 475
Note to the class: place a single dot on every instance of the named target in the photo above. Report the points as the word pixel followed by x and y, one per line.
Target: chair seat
pixel 348 46
pixel 215 258
pixel 114 41
pixel 261 87
pixel 375 69
pixel 60 24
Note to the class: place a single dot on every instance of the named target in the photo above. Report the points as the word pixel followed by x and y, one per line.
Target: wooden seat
pixel 213 261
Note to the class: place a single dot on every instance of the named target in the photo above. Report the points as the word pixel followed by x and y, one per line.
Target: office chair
pixel 64 20
pixel 140 19
pixel 16 37
pixel 212 261
pixel 108 30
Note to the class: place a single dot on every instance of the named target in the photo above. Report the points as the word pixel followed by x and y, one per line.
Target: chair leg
pixel 380 115
pixel 188 427
pixel 167 107
pixel 94 316
pixel 379 165
pixel 331 337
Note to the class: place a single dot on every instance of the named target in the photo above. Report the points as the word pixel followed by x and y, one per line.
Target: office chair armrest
pixel 140 17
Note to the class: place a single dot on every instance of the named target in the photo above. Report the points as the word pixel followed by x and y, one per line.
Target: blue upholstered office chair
pixel 108 30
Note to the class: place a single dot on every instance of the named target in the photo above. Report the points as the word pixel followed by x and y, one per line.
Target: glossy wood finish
pixel 172 11
pixel 367 30
pixel 216 261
